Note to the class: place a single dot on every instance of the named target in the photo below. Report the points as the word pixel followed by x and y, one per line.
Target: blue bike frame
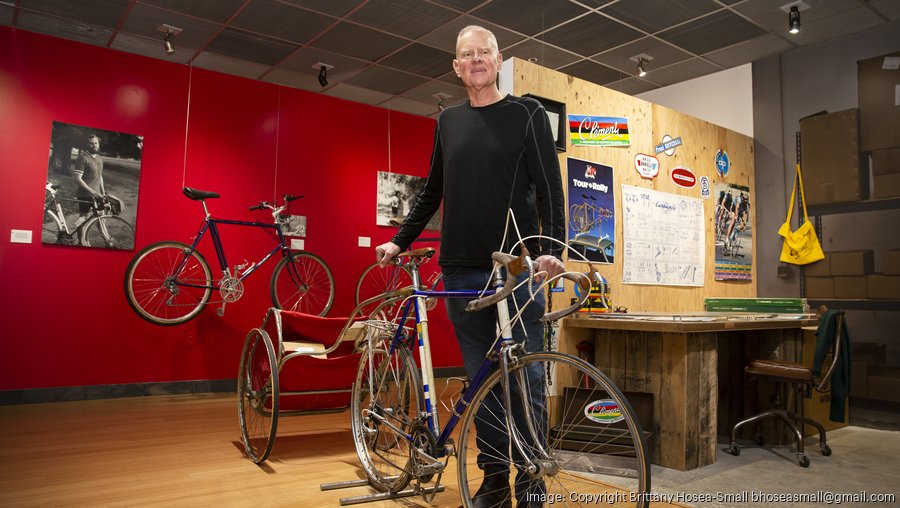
pixel 210 224
pixel 416 304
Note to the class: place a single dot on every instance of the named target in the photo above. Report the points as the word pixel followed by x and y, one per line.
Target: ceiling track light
pixel 323 72
pixel 169 44
pixel 794 20
pixel 169 40
pixel 641 60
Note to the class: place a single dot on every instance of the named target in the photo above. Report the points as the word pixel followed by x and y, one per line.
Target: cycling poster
pixel 591 210
pixel 91 193
pixel 734 232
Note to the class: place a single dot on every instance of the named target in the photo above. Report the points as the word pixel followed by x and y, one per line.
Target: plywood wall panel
pixel 648 123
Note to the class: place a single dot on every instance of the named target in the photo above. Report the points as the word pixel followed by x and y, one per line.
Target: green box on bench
pixel 771 305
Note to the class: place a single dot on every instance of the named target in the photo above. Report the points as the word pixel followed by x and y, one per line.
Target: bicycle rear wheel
pixel 591 446
pixel 157 290
pixel 108 231
pixel 376 281
pixel 386 399
pixel 257 391
pixel 303 284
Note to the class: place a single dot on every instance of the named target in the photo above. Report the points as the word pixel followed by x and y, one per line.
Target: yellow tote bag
pixel 801 247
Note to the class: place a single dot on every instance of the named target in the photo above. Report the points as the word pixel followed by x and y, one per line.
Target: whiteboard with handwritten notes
pixel 664 238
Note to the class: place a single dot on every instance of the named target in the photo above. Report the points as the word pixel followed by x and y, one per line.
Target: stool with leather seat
pixel 802 379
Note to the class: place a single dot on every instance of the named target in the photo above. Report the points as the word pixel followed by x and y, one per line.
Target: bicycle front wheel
pixel 376 281
pixel 257 391
pixel 108 231
pixel 161 292
pixel 386 399
pixel 303 283
pixel 587 442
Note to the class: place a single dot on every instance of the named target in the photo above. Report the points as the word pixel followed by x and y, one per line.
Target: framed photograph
pixel 556 114
pixel 396 195
pixel 91 194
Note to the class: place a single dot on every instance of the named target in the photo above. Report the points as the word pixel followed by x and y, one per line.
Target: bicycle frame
pixel 416 304
pixel 211 225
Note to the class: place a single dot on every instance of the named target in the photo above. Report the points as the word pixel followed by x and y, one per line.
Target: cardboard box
pixel 819 268
pixel 890 262
pixel 878 109
pixel 819 287
pixel 883 286
pixel 850 287
pixel 886 186
pixel 884 384
pixel 830 155
pixel 886 162
pixel 856 262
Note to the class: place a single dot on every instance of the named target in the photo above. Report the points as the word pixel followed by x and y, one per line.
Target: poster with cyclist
pixel 91 194
pixel 734 232
pixel 591 205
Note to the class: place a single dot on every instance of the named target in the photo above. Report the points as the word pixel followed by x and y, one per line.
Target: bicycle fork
pixel 537 463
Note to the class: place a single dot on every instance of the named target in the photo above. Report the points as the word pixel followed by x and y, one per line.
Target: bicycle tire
pixel 258 395
pixel 154 292
pixel 51 228
pixel 376 281
pixel 312 294
pixel 394 392
pixel 119 233
pixel 579 446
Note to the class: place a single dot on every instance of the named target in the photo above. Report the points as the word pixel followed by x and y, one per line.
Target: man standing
pixel 491 153
pixel 88 174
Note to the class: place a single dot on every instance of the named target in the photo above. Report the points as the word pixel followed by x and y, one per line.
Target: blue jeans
pixel 475 332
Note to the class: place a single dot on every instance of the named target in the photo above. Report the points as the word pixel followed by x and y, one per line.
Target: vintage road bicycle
pixel 582 446
pixel 169 283
pixel 103 228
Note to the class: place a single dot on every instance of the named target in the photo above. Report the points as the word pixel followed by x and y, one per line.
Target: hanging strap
pixel 798 180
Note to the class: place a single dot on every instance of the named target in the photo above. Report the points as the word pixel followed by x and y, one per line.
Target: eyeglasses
pixel 470 54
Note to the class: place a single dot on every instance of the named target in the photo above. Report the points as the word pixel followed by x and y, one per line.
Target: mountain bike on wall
pixel 169 283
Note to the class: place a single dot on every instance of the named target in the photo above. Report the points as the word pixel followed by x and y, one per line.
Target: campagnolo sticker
pixel 603 411
pixel 668 145
pixel 683 177
pixel 646 165
pixel 722 163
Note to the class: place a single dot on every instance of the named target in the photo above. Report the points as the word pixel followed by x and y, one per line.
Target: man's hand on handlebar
pixel 550 264
pixel 385 252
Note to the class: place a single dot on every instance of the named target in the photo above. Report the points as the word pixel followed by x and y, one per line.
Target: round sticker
pixel 722 163
pixel 603 411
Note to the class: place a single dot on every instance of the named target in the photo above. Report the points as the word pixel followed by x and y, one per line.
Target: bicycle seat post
pixel 205 210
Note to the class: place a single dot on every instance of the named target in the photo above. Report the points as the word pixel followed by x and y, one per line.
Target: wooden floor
pixel 175 451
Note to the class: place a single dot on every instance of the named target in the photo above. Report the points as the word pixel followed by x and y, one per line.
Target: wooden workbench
pixel 677 359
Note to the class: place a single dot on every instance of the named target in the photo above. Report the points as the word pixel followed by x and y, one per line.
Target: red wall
pixel 64 318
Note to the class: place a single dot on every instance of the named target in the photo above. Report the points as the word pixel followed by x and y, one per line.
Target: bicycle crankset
pixel 231 289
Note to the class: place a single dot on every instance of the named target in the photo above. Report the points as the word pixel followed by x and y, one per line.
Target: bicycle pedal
pixel 221 310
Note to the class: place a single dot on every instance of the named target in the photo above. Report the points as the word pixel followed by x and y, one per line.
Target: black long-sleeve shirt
pixel 486 160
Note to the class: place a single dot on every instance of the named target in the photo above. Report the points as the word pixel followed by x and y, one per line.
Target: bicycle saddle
pixel 197 195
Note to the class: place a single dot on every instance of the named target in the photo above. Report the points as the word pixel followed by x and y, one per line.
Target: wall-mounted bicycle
pixel 169 283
